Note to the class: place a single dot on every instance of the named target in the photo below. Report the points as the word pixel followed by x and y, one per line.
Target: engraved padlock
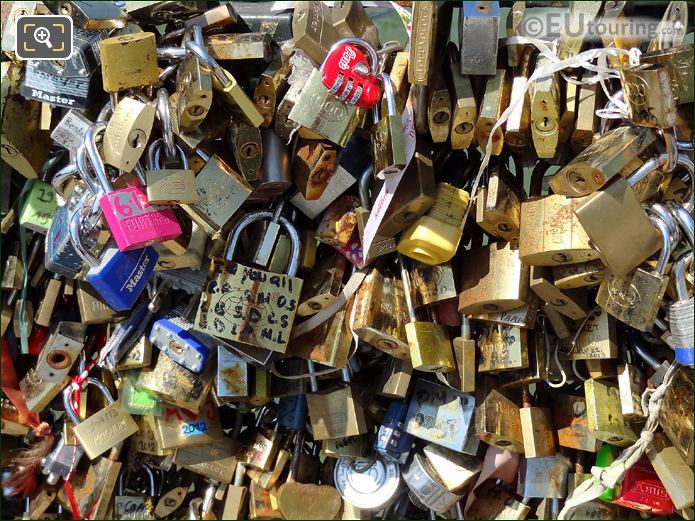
pixel 346 73
pixel 167 185
pixel 104 430
pixel 135 507
pixel 388 143
pixel 249 305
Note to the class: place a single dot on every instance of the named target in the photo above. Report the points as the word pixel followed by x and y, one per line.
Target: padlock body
pixel 121 276
pixel 61 256
pixel 173 337
pixel 388 145
pixel 339 76
pixel 134 222
pixel 39 207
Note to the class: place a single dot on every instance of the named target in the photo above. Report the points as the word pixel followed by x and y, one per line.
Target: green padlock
pixel 39 207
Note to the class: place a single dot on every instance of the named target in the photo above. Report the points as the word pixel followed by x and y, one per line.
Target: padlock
pixel 634 299
pixel 422 243
pixel 578 275
pixel 118 276
pixel 478 29
pixel 247 146
pixel 536 429
pixel 214 460
pixel 605 419
pixel 269 478
pixel 193 91
pixel 675 476
pixel 494 279
pixel 350 75
pixel 90 16
pixel 366 484
pixel 351 19
pixel 422 50
pixel 647 90
pixel 103 430
pixel 259 450
pixel 425 484
pixel 169 186
pixel 517 131
pixel 60 461
pixel 175 384
pixel 498 206
pixel 173 336
pixel 544 477
pixel 129 60
pixel 276 176
pixel 25 146
pixel 271 87
pixel 675 60
pixel 641 489
pixel 464 110
pixel 273 313
pixel 498 422
pixel 235 499
pixel 570 303
pixel 596 339
pixel 624 250
pixel 127 133
pixel 387 135
pixel 494 102
pixel 227 85
pixel 440 414
pixel 494 502
pixel 135 507
pixel 247 46
pixel 585 127
pixel 71 83
pixel 322 286
pixel 178 427
pixel 335 413
pixel 321 112
pixel 675 418
pixel 551 234
pixel 134 223
pixel 502 348
pixel 611 155
pixel 221 190
pixel 312 29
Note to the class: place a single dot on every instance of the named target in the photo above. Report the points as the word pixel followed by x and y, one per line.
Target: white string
pixel 556 65
pixel 606 478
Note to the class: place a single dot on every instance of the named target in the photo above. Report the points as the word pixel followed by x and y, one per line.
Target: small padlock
pixel 103 430
pixel 135 507
pixel 169 186
pixel 680 313
pixel 127 133
pixel 347 75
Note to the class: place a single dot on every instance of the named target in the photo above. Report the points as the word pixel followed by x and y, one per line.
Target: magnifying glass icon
pixel 42 35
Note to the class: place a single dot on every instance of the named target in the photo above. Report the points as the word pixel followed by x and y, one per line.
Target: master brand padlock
pixel 135 507
pixel 249 305
pixel 347 75
pixel 103 430
pixel 680 313
pixel 173 337
pixel 119 277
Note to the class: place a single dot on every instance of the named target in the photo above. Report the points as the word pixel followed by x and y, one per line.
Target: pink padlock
pixel 134 222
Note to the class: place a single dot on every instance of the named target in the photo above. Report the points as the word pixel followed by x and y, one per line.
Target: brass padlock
pixel 571 424
pixel 351 19
pixel 103 430
pixel 128 61
pixel 313 168
pixel 651 102
pixel 498 206
pixel 213 460
pixel 585 126
pixel 322 286
pixel 605 421
pixel 517 130
pixel 597 339
pixel 677 60
pixel 464 110
pixel 312 29
pixel 578 275
pixel 493 279
pixel 422 48
pixel 271 87
pixel 551 234
pixel 545 113
pixel 247 146
pixel 536 429
pixel 675 418
pixel 127 133
pixel 502 348
pixel 570 303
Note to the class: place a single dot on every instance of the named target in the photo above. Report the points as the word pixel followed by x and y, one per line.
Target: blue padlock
pixel 175 338
pixel 119 277
pixel 293 412
pixel 392 441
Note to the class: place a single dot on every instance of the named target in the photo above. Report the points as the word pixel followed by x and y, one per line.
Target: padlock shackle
pixel 90 141
pixel 659 210
pixel 76 235
pixel 365 184
pixel 62 175
pixel 266 215
pixel 212 64
pixel 171 53
pixel 666 244
pixel 154 155
pixel 105 113
pixel 655 162
pixel 193 34
pixel 648 358
pixel 389 93
pixel 164 113
pixel 363 44
pixel 83 170
pixel 678 274
pixel 67 395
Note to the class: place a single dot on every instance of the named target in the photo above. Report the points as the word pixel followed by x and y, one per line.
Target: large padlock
pixel 249 305
pixel 118 276
pixel 103 430
pixel 347 75
pixel 133 221
pixel 135 507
